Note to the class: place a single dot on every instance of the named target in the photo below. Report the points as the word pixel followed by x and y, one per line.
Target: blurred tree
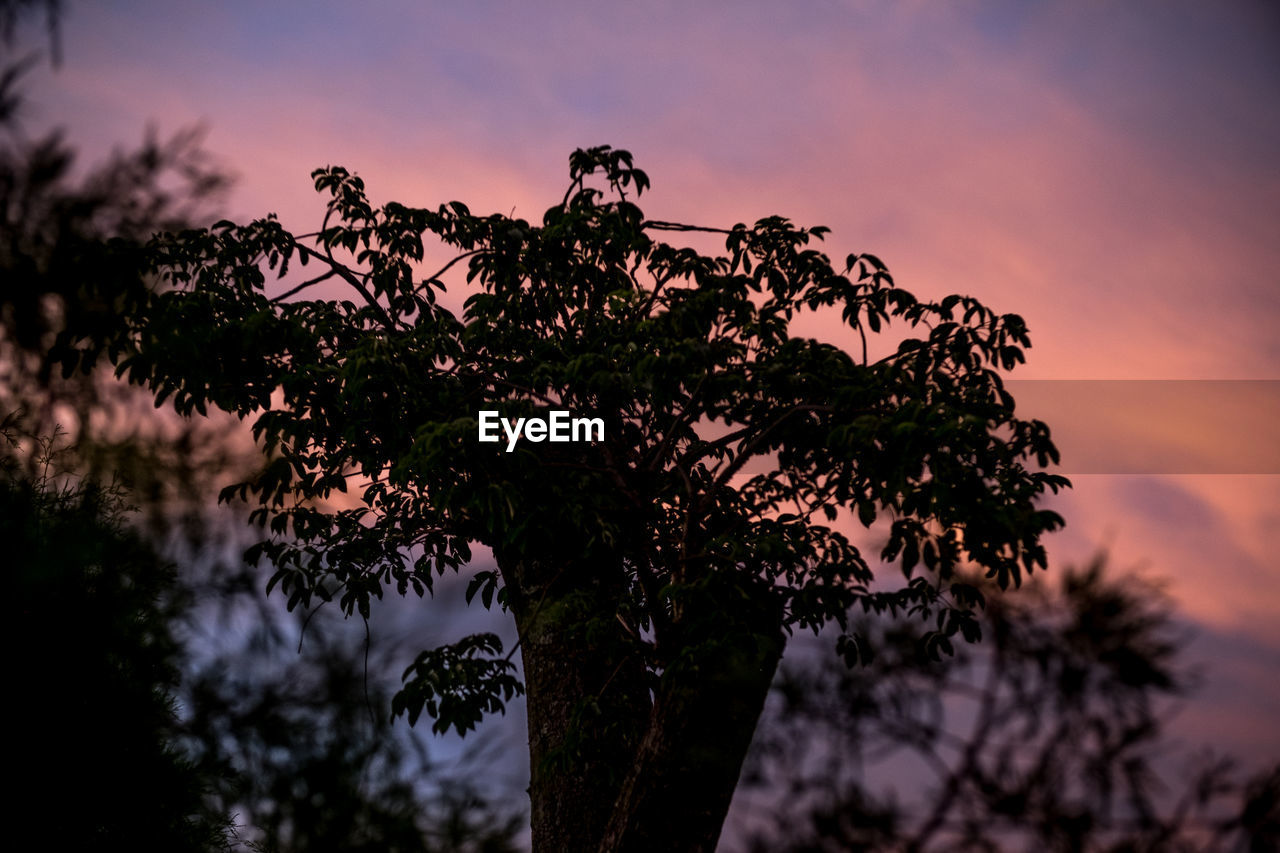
pixel 12 11
pixel 304 766
pixel 102 613
pixel 95 765
pixel 90 759
pixel 71 266
pixel 653 572
pixel 1048 735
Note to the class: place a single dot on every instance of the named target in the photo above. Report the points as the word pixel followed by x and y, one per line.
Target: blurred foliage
pixel 1050 734
pixel 305 764
pixel 99 662
pixel 91 755
pixel 72 268
pixel 279 745
pixel 13 11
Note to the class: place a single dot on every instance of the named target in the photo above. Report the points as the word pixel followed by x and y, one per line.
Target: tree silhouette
pixel 1048 735
pixel 653 572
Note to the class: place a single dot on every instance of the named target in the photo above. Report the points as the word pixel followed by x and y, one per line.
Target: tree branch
pixel 748 449
pixel 659 225
pixel 350 278
pixel 291 291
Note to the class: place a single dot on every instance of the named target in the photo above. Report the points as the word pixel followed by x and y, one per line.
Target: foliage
pixel 731 446
pixel 302 763
pixel 92 757
pixel 443 681
pixel 71 266
pixel 12 11
pixel 1049 735
pixel 288 748
pixel 72 247
pixel 103 616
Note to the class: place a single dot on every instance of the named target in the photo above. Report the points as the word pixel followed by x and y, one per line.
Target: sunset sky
pixel 1110 171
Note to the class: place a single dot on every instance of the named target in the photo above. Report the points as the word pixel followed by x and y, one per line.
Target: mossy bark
pixel 620 762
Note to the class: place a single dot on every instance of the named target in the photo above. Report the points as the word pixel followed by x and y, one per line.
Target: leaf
pixel 456 685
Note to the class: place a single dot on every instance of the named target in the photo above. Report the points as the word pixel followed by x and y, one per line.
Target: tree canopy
pixel 654 572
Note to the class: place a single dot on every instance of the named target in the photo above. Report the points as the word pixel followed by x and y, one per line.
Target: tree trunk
pixel 612 767
pixel 586 697
pixel 683 776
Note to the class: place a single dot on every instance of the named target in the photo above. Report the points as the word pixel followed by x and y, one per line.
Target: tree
pixel 654 572
pixel 1050 735
pixel 294 753
pixel 95 757
pixel 92 752
pixel 72 266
